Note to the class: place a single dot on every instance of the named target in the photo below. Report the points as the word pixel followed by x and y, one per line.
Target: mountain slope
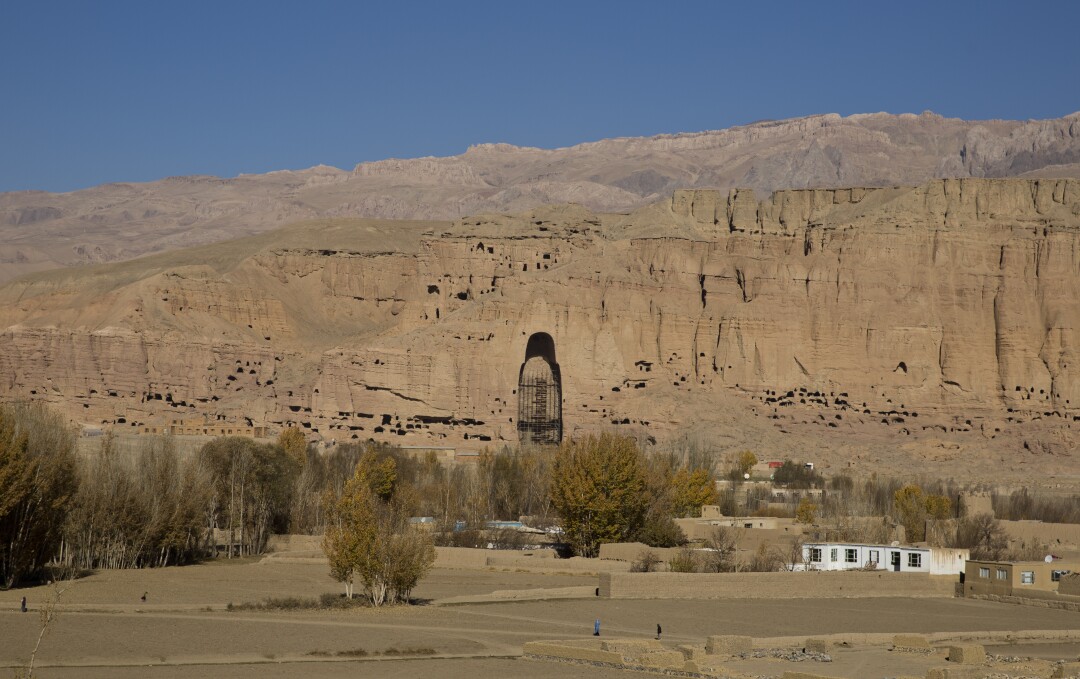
pixel 114 222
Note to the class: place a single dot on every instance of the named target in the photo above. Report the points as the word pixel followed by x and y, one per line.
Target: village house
pixel 840 556
pixel 1015 578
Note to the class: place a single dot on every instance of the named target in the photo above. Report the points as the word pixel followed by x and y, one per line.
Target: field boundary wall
pixel 780 585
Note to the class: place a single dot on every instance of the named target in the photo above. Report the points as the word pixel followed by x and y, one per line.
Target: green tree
pixel 598 490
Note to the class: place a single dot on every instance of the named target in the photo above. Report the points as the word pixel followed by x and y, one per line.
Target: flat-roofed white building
pixel 840 556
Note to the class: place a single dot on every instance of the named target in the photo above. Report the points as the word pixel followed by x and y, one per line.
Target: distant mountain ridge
pixel 114 222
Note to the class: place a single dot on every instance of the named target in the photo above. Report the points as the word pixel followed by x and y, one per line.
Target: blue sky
pixel 96 92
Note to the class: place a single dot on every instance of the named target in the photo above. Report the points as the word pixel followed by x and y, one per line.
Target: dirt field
pixel 183 629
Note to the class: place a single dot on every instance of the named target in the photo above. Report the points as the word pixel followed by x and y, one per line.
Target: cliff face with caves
pixel 934 323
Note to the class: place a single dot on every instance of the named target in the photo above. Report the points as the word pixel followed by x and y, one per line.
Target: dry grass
pixel 326 601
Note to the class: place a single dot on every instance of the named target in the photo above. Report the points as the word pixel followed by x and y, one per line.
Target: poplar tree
pixel 690 489
pixel 37 483
pixel 598 489
pixel 370 538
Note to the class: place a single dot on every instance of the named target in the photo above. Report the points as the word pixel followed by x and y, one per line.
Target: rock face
pixel 928 323
pixel 115 222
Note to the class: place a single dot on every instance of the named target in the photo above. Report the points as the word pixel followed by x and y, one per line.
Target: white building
pixel 840 556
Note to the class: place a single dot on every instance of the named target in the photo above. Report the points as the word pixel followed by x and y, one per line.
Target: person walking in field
pixel 596 628
pixel 24 604
pixel 658 630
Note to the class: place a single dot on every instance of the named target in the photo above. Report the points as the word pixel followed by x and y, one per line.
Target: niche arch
pixel 540 393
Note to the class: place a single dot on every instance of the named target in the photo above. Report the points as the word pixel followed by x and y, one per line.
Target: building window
pixel 875 556
pixel 815 555
pixel 1002 574
pixel 914 560
pixel 832 555
pixel 1055 576
pixel 984 573
pixel 1027 577
pixel 851 555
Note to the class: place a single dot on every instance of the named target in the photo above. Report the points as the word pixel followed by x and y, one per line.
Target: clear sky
pixel 94 92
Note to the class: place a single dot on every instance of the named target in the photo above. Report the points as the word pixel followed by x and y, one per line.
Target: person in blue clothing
pixel 596 628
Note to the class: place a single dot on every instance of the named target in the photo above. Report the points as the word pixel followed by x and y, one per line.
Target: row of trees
pixel 154 507
pixel 118 509
pixel 38 481
pixel 131 513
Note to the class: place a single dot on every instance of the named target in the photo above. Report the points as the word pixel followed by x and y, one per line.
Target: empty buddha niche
pixel 540 393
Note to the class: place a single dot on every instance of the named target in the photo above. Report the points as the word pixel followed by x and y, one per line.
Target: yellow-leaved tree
pixel 912 507
pixel 807 511
pixel 690 489
pixel 295 444
pixel 369 536
pixel 350 530
pixel 598 490
pixel 744 462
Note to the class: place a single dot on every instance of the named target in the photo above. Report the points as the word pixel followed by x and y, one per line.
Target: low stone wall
pixel 631 551
pixel 1070 585
pixel 461 557
pixel 1053 534
pixel 785 585
pixel 561 649
pixel 535 560
pixel 1036 599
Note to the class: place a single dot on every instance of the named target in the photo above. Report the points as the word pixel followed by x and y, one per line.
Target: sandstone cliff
pixel 115 222
pixel 933 324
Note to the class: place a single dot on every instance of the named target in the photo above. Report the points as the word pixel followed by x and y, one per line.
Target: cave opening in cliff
pixel 540 393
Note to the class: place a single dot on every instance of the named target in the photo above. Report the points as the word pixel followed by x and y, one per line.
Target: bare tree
pixel 795 557
pixel 983 535
pixel 684 560
pixel 722 545
pixel 767 559
pixel 646 562
pixel 46 617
